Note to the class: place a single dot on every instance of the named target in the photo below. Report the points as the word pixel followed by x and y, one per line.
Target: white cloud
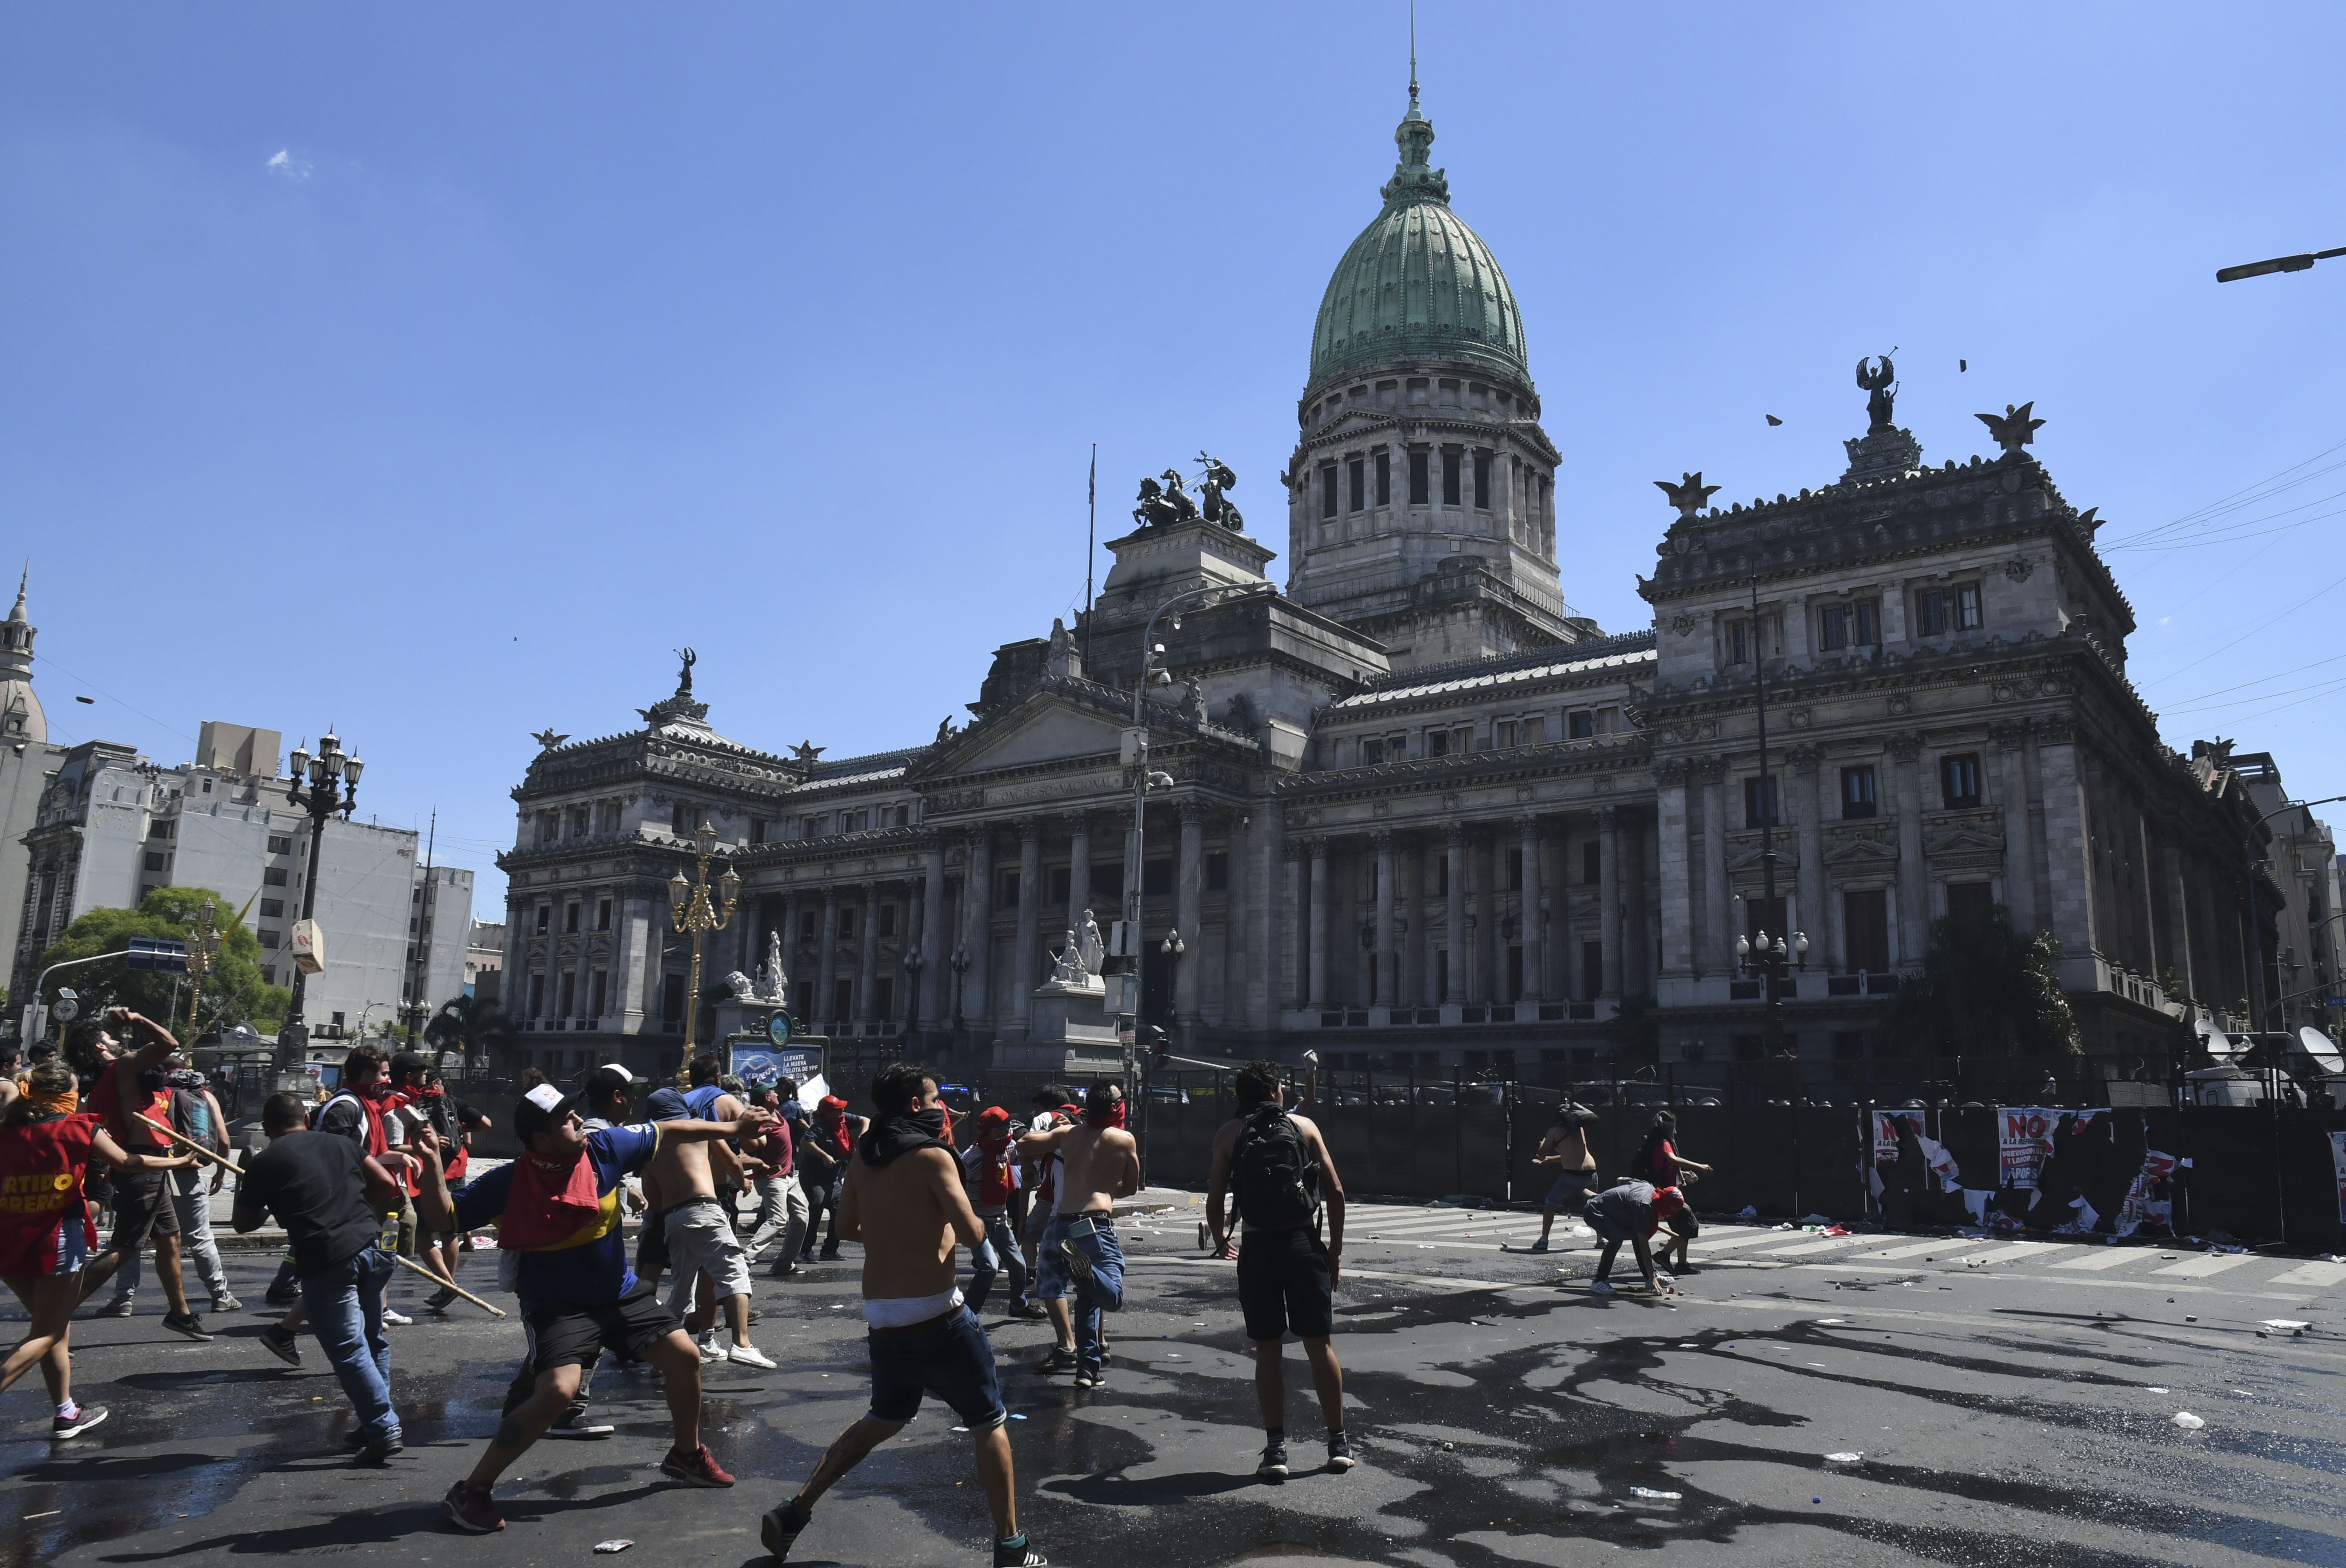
pixel 285 166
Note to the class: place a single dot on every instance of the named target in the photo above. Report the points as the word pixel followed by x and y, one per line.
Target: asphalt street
pixel 2007 1403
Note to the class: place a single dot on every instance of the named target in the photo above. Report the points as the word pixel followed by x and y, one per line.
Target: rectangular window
pixel 847 914
pixel 569 993
pixel 1418 494
pixel 1969 902
pixel 1514 976
pixel 856 822
pixel 1739 642
pixel 672 1002
pixel 883 997
pixel 757 830
pixel 1063 879
pixel 272 876
pixel 1442 876
pixel 1515 875
pixel 1534 730
pixel 154 860
pixel 1865 922
pixel 1462 739
pixel 1483 503
pixel 1579 726
pixel 571 920
pixel 281 844
pixel 809 925
pixel 1762 806
pixel 272 909
pixel 1450 478
pixel 1373 750
pixel 603 915
pixel 1157 878
pixel 1441 974
pixel 805 1008
pixel 269 974
pixel 159 829
pixel 843 998
pixel 544 919
pixel 1868 623
pixel 1929 613
pixel 1592 863
pixel 1967 607
pixel 1505 732
pixel 1005 889
pixel 599 991
pixel 1764 914
pixel 1834 627
pixel 1107 882
pixel 887 920
pixel 1357 473
pixel 1217 872
pixel 269 939
pixel 1959 781
pixel 684 819
pixel 1857 795
pixel 1437 743
pixel 1384 478
pixel 1592 969
pixel 538 995
pixel 1327 490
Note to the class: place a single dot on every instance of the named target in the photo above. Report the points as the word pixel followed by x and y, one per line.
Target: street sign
pixel 158 957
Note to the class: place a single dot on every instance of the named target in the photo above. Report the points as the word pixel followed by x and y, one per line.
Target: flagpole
pixel 1091 550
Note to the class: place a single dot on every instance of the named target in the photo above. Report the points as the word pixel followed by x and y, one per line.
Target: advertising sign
pixel 308 947
pixel 761 1064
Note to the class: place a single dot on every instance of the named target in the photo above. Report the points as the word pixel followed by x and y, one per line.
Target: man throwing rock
pixel 903 1201
pixel 1277 1167
pixel 1099 1163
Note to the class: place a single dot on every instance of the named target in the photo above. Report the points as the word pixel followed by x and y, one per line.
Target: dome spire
pixel 1413 180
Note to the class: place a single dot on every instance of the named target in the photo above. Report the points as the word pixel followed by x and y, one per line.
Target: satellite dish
pixel 2220 1047
pixel 2323 1050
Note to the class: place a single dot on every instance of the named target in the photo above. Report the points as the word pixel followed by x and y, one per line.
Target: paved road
pixel 2012 1403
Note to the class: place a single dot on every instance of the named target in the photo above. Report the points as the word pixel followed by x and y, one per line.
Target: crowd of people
pixel 378 1176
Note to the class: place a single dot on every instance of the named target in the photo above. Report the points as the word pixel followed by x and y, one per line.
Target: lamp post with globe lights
pixel 692 911
pixel 332 779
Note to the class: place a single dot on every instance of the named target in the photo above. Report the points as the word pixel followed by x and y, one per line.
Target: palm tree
pixel 1985 989
pixel 472 1025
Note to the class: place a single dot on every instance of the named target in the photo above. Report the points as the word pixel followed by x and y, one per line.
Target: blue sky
pixel 434 372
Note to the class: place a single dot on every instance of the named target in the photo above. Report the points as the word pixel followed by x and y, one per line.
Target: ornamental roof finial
pixel 1413 179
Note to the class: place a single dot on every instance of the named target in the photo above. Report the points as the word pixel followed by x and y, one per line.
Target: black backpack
pixel 1274 1178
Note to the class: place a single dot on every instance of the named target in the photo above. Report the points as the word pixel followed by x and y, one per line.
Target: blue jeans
pixel 1103 1292
pixel 997 1248
pixel 343 1305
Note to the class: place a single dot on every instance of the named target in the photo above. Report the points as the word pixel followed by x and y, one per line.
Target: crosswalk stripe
pixel 1720 1240
pixel 2107 1257
pixel 2316 1274
pixel 2034 1251
pixel 1828 1244
pixel 1942 1247
pixel 2205 1264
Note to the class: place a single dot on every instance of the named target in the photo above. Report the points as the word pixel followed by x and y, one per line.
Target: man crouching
pixel 903 1201
pixel 558 1205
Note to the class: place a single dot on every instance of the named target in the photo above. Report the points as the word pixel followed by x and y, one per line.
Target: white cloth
pixel 897 1312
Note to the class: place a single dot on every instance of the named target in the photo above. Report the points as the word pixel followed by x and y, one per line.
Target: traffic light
pixel 1156 1042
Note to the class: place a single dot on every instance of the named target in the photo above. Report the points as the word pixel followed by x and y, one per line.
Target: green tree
pixel 472 1025
pixel 1985 989
pixel 234 991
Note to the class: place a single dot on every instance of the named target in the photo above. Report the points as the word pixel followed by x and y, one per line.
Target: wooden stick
pixel 223 1160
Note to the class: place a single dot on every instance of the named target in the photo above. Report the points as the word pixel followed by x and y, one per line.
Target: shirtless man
pixel 904 1200
pixel 1565 1153
pixel 683 1189
pixel 1099 1163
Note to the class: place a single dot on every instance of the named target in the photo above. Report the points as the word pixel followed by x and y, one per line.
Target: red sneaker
pixel 470 1509
pixel 699 1468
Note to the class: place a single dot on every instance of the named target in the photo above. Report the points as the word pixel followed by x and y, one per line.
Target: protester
pixel 558 1205
pixel 904 1200
pixel 992 1167
pixel 781 1203
pixel 355 1113
pixel 1658 1161
pixel 1631 1212
pixel 131 1085
pixel 697 1233
pixel 331 1198
pixel 1052 1108
pixel 1101 1162
pixel 453 1122
pixel 823 1166
pixel 194 1115
pixel 46 1232
pixel 1564 1152
pixel 1277 1167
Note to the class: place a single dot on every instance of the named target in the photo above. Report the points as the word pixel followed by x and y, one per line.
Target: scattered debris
pixel 1843 1458
pixel 2286 1326
pixel 2189 1421
pixel 612 1545
pixel 1650 1495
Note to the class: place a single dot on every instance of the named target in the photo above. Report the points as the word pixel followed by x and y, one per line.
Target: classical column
pixel 1291 922
pixel 1079 871
pixel 1608 894
pixel 868 964
pixel 2019 852
pixel 2178 923
pixel 790 963
pixel 1027 962
pixel 934 977
pixel 1813 917
pixel 1409 924
pixel 1671 788
pixel 1318 996
pixel 1913 885
pixel 2071 916
pixel 1717 933
pixel 1267 915
pixel 1527 826
pixel 1454 935
pixel 977 918
pixel 826 1000
pixel 1380 983
pixel 1189 913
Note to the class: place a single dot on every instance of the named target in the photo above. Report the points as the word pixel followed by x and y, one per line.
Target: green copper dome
pixel 1417 283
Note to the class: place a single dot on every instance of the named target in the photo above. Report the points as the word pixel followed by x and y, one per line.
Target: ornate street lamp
pixel 690 910
pixel 911 963
pixel 333 790
pixel 959 964
pixel 203 953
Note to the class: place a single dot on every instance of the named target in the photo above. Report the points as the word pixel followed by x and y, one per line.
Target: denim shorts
pixel 1571 1188
pixel 950 1359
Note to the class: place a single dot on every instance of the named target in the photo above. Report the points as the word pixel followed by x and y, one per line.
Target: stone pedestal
pixel 1071 1035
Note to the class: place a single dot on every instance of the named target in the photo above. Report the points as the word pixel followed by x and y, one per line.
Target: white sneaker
pixel 710 1350
pixel 397 1319
pixel 750 1355
pixel 1600 1287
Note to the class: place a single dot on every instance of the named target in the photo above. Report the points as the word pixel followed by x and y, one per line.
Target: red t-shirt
pixel 41 1167
pixel 111 1100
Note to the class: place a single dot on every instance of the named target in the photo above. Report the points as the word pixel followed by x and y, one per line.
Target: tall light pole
pixel 1772 955
pixel 2296 264
pixel 911 963
pixel 203 953
pixel 691 912
pixel 333 790
pixel 1145 780
pixel 959 964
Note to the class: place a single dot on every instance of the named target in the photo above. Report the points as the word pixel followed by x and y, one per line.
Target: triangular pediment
pixel 1857 851
pixel 1964 840
pixel 1044 729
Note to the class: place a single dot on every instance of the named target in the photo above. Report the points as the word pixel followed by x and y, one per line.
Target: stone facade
pixel 1416 812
